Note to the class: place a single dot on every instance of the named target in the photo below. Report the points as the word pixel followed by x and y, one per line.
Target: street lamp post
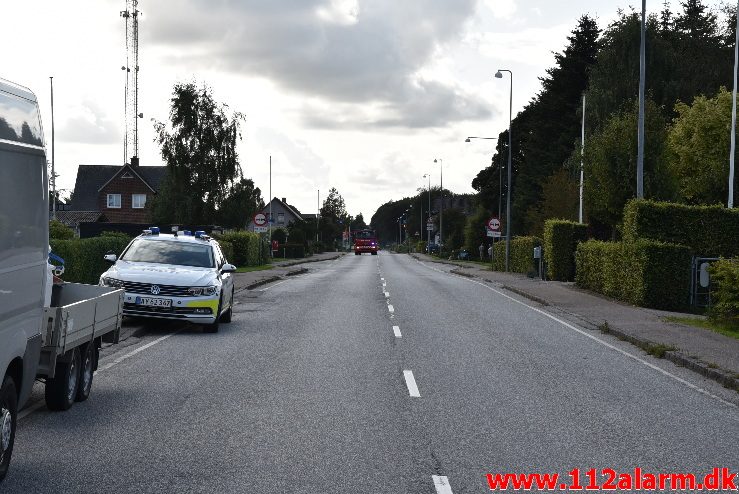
pixel 428 232
pixel 441 207
pixel 499 75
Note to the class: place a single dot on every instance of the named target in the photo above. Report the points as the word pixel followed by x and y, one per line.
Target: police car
pixel 181 276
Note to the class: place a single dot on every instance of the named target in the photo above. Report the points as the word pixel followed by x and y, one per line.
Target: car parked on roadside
pixel 463 255
pixel 174 276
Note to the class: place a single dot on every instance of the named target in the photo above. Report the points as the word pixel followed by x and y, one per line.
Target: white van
pixel 24 225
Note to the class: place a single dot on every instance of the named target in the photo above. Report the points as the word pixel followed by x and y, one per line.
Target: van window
pixel 19 120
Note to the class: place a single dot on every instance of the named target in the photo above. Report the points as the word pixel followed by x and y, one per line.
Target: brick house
pixel 120 193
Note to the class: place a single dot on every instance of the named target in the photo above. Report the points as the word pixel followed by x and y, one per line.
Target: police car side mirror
pixel 111 258
pixel 228 268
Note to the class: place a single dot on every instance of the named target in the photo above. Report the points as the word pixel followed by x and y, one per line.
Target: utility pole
pixel 270 206
pixel 318 212
pixel 441 207
pixel 642 71
pixel 53 170
pixel 582 154
pixel 730 202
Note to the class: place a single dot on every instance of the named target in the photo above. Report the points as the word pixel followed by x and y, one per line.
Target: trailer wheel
pixel 8 421
pixel 374 252
pixel 87 370
pixel 62 389
pixel 357 253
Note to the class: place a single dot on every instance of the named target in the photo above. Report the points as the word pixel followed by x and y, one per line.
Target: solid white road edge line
pixel 594 338
pixel 410 381
pixel 441 482
pixel 134 352
pixel 28 411
pixel 396 330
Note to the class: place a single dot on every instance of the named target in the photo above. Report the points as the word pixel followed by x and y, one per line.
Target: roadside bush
pixel 706 230
pixel 560 244
pixel 522 254
pixel 228 250
pixel 245 247
pixel 421 246
pixel 83 258
pixel 725 274
pixel 60 231
pixel 644 273
pixel 121 235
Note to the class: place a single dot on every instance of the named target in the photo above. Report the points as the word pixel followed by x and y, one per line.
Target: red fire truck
pixel 365 241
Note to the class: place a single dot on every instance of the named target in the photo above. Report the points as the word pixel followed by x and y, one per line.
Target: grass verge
pixel 725 329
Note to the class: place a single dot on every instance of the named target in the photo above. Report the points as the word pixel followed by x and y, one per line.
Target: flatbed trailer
pixel 80 319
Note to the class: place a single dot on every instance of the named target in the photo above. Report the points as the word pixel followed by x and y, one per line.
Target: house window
pixel 280 218
pixel 114 201
pixel 138 201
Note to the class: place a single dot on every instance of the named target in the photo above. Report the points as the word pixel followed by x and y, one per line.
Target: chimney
pixel 284 200
pixel 134 161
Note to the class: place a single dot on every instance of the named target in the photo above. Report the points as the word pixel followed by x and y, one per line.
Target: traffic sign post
pixel 492 228
pixel 260 223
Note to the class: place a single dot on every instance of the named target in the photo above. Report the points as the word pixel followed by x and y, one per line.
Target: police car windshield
pixel 163 252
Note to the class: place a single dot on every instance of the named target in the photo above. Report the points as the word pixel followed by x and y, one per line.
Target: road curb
pixel 259 283
pixel 305 261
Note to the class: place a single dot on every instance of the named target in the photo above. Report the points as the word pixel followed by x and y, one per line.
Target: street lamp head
pixel 435 161
pixel 499 75
pixel 467 140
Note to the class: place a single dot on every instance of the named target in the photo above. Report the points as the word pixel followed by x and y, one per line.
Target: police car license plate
pixel 154 302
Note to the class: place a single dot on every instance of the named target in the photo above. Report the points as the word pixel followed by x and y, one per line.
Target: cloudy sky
pixel 361 95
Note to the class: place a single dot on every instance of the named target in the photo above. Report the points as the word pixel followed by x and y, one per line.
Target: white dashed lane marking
pixel 410 381
pixel 396 330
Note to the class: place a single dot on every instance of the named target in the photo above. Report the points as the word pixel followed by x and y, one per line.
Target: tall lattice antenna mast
pixel 131 105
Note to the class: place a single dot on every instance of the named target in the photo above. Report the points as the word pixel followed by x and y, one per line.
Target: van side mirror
pixel 111 258
pixel 228 268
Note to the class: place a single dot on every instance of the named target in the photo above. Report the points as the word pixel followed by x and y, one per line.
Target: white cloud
pixel 501 9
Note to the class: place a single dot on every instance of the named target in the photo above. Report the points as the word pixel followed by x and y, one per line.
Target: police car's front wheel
pixel 213 327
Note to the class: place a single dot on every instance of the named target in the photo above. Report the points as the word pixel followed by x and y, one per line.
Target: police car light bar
pixel 187 233
pixel 199 233
pixel 154 230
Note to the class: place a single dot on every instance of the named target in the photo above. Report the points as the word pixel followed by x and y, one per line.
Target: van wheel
pixel 8 421
pixel 227 316
pixel 374 253
pixel 357 253
pixel 61 390
pixel 87 370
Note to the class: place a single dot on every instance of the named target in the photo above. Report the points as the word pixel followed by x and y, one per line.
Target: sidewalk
pixel 280 270
pixel 712 354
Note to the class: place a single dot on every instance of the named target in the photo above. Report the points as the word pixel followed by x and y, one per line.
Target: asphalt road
pixel 372 374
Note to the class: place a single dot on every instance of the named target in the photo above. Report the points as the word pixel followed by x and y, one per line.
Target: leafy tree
pixel 698 142
pixel 560 199
pixel 454 224
pixel 358 222
pixel 474 230
pixel 199 148
pixel 239 206
pixel 334 218
pixel 60 231
pixel 546 132
pixel 610 157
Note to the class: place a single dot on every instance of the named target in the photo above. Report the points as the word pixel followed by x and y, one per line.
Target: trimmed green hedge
pixel 83 258
pixel 725 275
pixel 707 230
pixel 245 247
pixel 228 250
pixel 522 254
pixel 645 272
pixel 296 251
pixel 560 243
